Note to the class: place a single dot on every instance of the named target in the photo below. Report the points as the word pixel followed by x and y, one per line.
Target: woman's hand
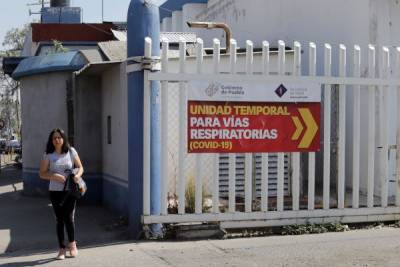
pixel 59 178
pixel 77 178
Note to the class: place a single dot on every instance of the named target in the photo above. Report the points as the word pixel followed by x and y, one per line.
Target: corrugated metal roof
pixel 114 50
pixel 172 37
pixel 70 61
pixel 92 55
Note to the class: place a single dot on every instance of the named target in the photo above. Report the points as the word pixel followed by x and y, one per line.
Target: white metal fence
pixel 248 208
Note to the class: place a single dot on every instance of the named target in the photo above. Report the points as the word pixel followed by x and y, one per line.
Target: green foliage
pixel 9 102
pixel 14 40
pixel 9 107
pixel 58 47
pixel 190 196
pixel 313 229
pixel 396 224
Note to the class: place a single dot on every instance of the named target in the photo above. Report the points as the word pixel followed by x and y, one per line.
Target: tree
pixel 14 40
pixel 9 88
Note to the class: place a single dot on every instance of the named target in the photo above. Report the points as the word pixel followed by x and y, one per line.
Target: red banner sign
pixel 247 127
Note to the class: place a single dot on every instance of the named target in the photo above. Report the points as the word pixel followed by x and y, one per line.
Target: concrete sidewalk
pixel 27 223
pixel 354 248
pixel 27 238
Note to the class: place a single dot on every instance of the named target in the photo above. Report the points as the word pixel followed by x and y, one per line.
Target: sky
pixel 15 13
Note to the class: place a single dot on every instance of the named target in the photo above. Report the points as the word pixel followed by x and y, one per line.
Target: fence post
pixel 248 156
pixel 384 159
pixel 327 126
pixel 371 128
pixel 182 132
pixel 164 130
pixel 311 155
pixel 342 129
pixel 199 157
pixel 281 156
pixel 296 155
pixel 356 128
pixel 232 156
pixel 264 156
pixel 397 75
pixel 215 200
pixel 146 133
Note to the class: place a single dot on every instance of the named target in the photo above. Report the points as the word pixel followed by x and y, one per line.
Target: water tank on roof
pixel 60 3
pixel 60 11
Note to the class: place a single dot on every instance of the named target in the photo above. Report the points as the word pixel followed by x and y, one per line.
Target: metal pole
pixel 143 21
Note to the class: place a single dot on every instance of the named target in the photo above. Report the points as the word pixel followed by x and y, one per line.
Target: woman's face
pixel 58 141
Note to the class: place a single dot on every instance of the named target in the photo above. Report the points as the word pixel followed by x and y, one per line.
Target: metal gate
pixel 235 189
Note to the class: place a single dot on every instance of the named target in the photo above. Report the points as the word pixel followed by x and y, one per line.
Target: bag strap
pixel 65 184
pixel 72 161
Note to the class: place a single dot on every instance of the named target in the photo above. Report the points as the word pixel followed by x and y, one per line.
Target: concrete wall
pixel 43 104
pixel 115 155
pixel 88 134
pixel 96 96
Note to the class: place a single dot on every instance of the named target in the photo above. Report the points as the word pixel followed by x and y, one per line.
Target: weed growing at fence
pixel 313 229
pixel 190 196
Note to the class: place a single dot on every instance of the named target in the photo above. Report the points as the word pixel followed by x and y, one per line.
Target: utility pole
pixel 102 11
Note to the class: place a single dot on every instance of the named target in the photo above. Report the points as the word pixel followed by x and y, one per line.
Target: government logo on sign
pixel 281 90
pixel 212 89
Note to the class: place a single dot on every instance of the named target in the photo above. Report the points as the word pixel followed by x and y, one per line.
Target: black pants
pixel 64 215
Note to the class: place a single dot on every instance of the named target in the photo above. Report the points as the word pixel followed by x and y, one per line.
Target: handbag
pixel 75 190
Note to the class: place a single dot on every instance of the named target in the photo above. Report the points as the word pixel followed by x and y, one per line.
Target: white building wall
pixel 114 104
pixel 336 22
pixel 189 13
pixel 41 94
pixel 177 22
pixel 166 24
pixel 87 122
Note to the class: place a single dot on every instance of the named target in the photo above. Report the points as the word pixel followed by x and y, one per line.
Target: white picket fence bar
pixel 370 85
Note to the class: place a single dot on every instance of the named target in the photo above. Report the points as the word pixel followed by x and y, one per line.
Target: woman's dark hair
pixel 50 147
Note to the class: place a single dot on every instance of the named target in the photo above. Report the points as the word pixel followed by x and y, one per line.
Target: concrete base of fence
pixel 198 231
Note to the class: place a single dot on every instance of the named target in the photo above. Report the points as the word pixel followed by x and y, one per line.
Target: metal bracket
pixel 134 64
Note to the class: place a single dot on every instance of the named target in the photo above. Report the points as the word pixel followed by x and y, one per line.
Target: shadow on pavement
pixel 27 224
pixel 30 263
pixel 9 175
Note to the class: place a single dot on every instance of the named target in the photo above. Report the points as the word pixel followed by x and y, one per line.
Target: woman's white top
pixel 58 163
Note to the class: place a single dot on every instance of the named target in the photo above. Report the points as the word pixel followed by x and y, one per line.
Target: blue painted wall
pixel 173 5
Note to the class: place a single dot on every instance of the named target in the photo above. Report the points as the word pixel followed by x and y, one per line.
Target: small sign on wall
pixel 254 91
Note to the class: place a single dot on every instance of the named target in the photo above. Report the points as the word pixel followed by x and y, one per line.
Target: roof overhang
pixel 96 68
pixel 70 61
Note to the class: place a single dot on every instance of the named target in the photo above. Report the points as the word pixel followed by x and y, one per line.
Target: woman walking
pixel 58 159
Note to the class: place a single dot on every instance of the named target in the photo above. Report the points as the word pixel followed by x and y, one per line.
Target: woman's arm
pixel 46 175
pixel 79 167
